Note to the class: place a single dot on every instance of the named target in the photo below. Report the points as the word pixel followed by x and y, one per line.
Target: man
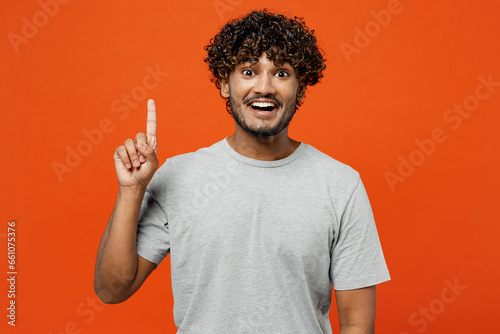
pixel 258 225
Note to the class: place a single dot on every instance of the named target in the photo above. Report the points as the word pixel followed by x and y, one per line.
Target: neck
pixel 262 147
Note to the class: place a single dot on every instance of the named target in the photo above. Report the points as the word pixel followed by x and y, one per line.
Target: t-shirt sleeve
pixel 153 238
pixel 357 259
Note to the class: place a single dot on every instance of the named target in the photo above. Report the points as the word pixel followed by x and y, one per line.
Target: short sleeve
pixel 357 259
pixel 153 239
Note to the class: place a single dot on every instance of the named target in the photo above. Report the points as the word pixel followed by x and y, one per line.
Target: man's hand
pixel 136 161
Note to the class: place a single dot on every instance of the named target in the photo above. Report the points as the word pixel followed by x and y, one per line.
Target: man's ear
pixel 301 92
pixel 224 87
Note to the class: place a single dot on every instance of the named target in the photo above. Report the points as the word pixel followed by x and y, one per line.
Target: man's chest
pixel 254 223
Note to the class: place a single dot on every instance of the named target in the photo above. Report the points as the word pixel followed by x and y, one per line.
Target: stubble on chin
pixel 264 131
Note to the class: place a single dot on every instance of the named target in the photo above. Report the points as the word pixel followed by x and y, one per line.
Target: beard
pixel 262 130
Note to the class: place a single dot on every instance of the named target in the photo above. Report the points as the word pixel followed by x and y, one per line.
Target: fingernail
pixel 151 104
pixel 128 165
pixel 142 158
pixel 135 163
pixel 142 146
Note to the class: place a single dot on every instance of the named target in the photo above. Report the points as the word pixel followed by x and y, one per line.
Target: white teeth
pixel 262 104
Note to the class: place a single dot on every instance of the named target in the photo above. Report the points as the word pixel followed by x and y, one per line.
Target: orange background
pixel 439 225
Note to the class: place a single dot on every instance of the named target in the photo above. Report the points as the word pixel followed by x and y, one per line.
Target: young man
pixel 258 225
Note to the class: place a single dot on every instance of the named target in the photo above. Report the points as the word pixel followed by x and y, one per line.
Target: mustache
pixel 269 97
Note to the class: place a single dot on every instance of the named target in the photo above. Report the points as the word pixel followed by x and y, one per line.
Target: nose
pixel 264 84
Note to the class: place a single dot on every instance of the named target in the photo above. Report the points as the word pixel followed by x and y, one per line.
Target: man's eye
pixel 282 74
pixel 247 72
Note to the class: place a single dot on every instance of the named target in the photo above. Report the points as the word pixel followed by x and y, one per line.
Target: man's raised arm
pixel 119 271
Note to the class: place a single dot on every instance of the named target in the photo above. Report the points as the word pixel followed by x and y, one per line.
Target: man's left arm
pixel 356 309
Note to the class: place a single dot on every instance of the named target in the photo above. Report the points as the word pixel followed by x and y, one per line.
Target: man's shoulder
pixel 199 159
pixel 329 165
pixel 202 153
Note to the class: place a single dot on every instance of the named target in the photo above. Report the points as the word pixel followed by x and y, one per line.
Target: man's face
pixel 262 96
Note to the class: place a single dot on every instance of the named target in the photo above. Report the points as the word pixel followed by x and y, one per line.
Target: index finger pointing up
pixel 151 123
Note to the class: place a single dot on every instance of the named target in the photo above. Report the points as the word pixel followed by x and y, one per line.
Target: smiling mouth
pixel 263 106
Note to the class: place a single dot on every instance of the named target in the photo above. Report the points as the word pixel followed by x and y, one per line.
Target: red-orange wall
pixel 385 107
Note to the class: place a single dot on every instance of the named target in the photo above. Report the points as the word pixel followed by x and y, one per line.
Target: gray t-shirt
pixel 256 245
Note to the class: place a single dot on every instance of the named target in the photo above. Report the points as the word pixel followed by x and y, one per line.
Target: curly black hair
pixel 283 39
